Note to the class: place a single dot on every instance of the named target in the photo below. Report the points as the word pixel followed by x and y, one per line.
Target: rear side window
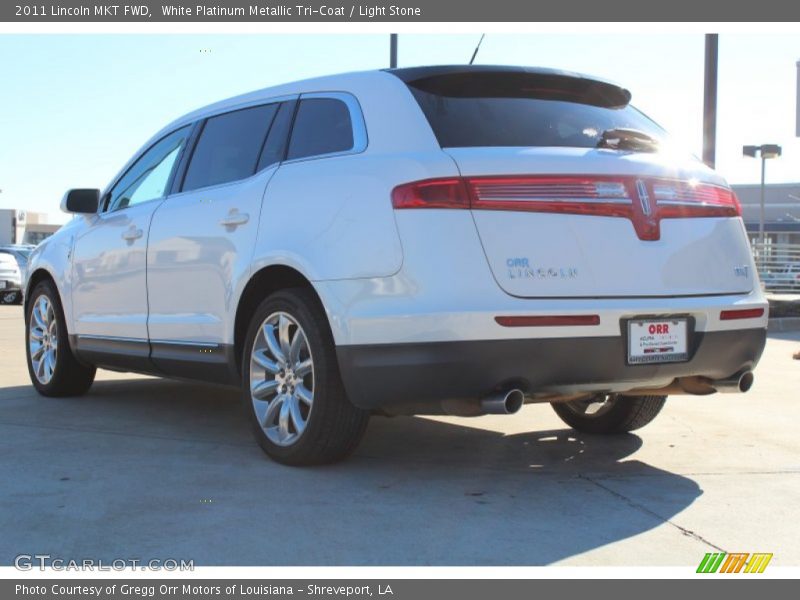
pixel 322 126
pixel 523 109
pixel 229 147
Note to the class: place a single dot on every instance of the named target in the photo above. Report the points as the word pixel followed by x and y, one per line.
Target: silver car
pixel 13 267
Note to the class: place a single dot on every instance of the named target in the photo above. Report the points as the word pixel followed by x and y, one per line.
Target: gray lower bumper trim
pixel 419 376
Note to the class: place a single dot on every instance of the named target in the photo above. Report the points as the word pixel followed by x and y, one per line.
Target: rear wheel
pixel 610 413
pixel 52 366
pixel 292 389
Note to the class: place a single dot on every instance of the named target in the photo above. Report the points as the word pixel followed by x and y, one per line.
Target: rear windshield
pixel 464 111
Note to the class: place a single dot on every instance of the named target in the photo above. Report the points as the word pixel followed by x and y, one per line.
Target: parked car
pixel 784 279
pixel 439 240
pixel 13 266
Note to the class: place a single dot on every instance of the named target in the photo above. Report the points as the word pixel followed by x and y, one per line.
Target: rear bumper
pixel 414 378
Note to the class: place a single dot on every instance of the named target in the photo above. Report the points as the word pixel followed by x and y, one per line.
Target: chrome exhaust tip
pixel 738 384
pixel 503 403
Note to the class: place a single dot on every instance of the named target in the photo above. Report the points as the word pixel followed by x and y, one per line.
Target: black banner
pixel 399 11
pixel 390 589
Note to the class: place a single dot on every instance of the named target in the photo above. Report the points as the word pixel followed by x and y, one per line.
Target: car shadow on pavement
pixel 161 468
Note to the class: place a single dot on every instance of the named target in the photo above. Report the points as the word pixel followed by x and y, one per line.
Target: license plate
pixel 657 341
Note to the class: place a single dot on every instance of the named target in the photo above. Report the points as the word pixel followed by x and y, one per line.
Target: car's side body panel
pixel 198 259
pixel 53 257
pixel 110 274
pixel 348 226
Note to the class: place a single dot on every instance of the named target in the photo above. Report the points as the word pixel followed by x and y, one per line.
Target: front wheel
pixel 52 366
pixel 609 413
pixel 292 390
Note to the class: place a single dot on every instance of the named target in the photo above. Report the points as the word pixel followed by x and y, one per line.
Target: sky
pixel 74 108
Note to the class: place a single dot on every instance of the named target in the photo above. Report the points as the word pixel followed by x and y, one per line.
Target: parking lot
pixel 149 468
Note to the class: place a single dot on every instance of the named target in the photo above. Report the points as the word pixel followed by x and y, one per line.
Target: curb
pixel 784 324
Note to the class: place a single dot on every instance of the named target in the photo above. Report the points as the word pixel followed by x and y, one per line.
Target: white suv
pixel 435 240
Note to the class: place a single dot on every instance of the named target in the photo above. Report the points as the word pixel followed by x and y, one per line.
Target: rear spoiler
pixel 476 81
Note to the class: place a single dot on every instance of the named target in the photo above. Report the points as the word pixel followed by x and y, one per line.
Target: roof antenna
pixel 478 47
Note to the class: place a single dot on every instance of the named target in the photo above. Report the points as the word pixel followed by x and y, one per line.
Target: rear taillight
pixel 683 199
pixel 432 193
pixel 645 201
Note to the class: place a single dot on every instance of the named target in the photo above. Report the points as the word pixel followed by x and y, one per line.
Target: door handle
pixel 234 219
pixel 132 234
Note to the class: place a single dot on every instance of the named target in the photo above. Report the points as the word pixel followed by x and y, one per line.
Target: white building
pixel 24 227
pixel 781 210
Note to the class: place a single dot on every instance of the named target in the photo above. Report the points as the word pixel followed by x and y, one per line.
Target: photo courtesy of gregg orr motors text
pixel 186 589
pixel 143 11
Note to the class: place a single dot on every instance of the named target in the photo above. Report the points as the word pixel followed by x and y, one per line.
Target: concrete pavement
pixel 149 468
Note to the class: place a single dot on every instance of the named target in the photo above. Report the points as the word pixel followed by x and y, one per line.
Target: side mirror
pixel 81 201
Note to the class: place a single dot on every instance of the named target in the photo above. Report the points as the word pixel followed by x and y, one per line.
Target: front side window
pixel 229 147
pixel 322 126
pixel 149 176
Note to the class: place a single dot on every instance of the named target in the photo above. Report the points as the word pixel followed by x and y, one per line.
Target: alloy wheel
pixel 43 339
pixel 282 378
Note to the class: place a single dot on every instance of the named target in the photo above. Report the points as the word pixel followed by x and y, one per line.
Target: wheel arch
pixel 34 279
pixel 261 284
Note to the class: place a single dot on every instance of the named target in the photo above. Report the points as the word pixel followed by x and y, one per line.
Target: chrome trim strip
pixel 556 199
pixel 192 344
pixel 252 103
pixel 111 338
pixel 699 203
pixel 644 197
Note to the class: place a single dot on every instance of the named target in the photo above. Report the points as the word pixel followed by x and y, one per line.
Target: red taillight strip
pixel 431 193
pixel 644 201
pixel 744 313
pixel 549 321
pixel 678 199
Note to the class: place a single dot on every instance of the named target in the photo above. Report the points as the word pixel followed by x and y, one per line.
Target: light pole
pixel 392 50
pixel 765 151
pixel 710 100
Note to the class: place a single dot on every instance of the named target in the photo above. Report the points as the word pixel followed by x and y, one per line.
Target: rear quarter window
pixel 321 126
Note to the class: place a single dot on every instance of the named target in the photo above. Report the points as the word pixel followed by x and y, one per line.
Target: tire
pixel 11 298
pixel 61 374
pixel 617 414
pixel 300 414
